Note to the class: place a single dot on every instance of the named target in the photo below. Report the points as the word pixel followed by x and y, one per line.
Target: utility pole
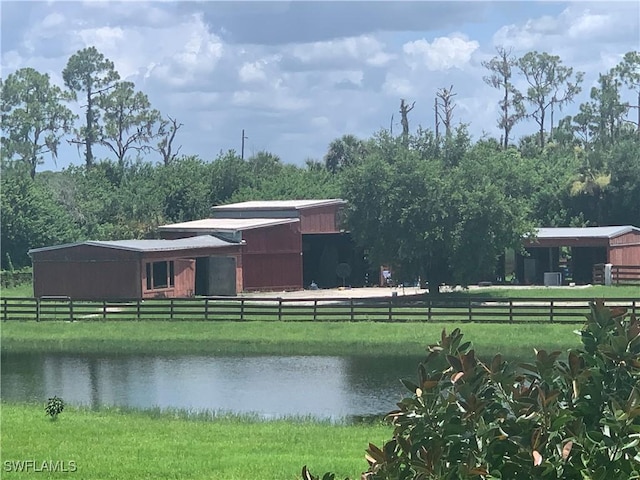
pixel 242 150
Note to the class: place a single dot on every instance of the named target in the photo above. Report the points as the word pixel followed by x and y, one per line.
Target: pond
pixel 269 386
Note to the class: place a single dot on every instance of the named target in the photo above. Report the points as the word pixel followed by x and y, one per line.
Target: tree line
pixel 434 203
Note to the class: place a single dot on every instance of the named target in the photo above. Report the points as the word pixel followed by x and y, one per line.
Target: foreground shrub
pixel 54 407
pixel 549 419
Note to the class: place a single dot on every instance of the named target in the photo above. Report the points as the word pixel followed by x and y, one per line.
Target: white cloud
pixel 443 53
pixel 577 26
pixel 105 39
pixel 342 77
pixel 364 49
pixel 278 99
pixel 252 72
pixel 191 52
pixel 396 86
pixel 589 25
pixel 53 20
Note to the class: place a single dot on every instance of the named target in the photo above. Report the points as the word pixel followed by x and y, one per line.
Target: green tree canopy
pixel 89 72
pixel 33 117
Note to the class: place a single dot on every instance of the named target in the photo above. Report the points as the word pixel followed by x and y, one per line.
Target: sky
pixel 297 74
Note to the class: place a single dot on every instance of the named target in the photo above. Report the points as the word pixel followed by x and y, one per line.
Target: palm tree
pixel 344 151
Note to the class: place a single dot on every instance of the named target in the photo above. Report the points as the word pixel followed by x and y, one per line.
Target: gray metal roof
pixel 226 224
pixel 584 232
pixel 202 241
pixel 280 204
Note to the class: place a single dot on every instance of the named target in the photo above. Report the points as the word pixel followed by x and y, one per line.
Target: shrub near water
pixel 54 407
pixel 550 419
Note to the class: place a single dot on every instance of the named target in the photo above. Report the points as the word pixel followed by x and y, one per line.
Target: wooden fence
pixel 392 309
pixel 620 274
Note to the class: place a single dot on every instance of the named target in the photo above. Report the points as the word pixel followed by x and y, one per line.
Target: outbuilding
pixel 271 256
pixel 131 269
pixel 585 246
pixel 289 243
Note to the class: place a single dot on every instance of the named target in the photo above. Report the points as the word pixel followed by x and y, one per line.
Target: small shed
pixel 131 269
pixel 618 245
pixel 271 257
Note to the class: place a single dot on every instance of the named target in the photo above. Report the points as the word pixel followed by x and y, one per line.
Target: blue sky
pixel 296 75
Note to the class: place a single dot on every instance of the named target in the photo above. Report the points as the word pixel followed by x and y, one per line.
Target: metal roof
pixel 584 232
pixel 202 241
pixel 226 224
pixel 280 204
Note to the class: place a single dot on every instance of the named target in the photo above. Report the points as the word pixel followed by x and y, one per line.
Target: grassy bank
pixel 272 337
pixel 111 444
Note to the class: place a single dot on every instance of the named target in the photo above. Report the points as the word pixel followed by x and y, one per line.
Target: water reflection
pixel 272 386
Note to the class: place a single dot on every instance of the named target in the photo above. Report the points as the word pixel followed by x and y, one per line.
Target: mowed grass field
pixel 267 335
pixel 115 444
pixel 275 338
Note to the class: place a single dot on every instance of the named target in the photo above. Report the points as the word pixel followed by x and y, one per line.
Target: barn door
pixel 222 276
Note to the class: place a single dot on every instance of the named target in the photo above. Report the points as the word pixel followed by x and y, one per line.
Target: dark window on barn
pixel 160 275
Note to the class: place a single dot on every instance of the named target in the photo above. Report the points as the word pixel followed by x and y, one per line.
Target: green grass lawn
pixel 273 337
pixel 593 291
pixel 113 444
pixel 24 290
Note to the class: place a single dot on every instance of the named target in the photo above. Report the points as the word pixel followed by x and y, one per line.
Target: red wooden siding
pixel 625 249
pixel 320 219
pixel 272 258
pixel 87 280
pixel 272 271
pixel 284 238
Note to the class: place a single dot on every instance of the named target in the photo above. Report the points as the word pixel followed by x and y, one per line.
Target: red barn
pixel 289 243
pixel 589 246
pixel 271 256
pixel 130 269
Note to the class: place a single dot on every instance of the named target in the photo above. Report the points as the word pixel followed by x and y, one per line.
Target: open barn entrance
pixel 574 264
pixel 216 276
pixel 322 253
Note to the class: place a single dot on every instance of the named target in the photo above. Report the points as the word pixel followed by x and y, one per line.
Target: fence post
pixel 4 309
pixel 206 309
pixel 510 310
pixel 279 309
pixel 390 309
pixel 138 304
pixel 71 309
pixel 551 311
pixel 429 303
pixel 315 309
pixel 38 309
pixel 171 309
pixel 104 310
pixel 351 309
pixel 242 309
pixel 470 311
